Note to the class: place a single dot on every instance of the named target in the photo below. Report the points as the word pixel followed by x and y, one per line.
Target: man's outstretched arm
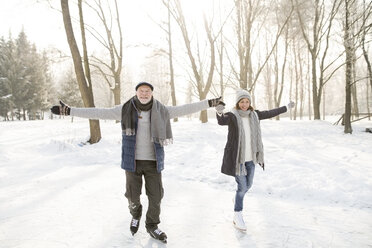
pixel 186 109
pixel 89 113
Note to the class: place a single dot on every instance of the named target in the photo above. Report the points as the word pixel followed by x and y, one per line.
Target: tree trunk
pixel 302 86
pixel 290 93
pixel 355 107
pixel 171 69
pixel 268 85
pixel 348 72
pixel 276 77
pixel 367 101
pixel 323 103
pixel 316 100
pixel 296 62
pixel 116 91
pixel 85 89
pixel 369 68
pixel 221 74
pixel 282 76
pixel 278 95
pixel 95 131
pixel 309 90
pixel 203 116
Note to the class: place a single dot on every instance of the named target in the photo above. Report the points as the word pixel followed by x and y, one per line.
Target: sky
pixel 316 190
pixel 139 20
pixel 44 25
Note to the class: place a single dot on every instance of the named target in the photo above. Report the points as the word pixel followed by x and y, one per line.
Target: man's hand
pixel 61 109
pixel 215 101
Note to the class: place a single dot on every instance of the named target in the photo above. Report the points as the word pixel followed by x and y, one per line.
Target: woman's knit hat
pixel 240 94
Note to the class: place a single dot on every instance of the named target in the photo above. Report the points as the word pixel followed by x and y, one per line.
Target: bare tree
pixel 299 98
pixel 220 66
pixel 268 82
pixel 367 102
pixel 355 108
pixel 224 78
pixel 83 78
pixel 168 31
pixel 279 84
pixel 299 63
pixel 320 32
pixel 355 25
pixel 155 69
pixel 348 43
pixel 366 29
pixel 202 85
pixel 110 71
pixel 247 14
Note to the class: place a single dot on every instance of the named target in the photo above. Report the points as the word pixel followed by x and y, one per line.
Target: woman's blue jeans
pixel 244 184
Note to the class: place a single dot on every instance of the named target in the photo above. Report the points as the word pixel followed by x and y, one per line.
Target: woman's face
pixel 244 104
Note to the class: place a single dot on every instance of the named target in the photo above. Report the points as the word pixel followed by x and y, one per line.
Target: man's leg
pixel 133 192
pixel 154 192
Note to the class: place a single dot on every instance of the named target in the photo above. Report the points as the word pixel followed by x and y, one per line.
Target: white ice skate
pixel 239 221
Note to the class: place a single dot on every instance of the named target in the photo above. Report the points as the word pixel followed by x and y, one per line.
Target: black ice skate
pixel 158 234
pixel 136 217
pixel 134 224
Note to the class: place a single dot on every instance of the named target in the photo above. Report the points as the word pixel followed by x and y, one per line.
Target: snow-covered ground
pixel 316 190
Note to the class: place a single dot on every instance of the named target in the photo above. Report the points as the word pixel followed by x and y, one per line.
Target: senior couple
pixel 146 129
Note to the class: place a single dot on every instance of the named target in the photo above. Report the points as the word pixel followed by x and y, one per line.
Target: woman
pixel 244 146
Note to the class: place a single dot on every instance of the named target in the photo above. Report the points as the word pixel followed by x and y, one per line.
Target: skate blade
pixel 240 229
pixel 161 240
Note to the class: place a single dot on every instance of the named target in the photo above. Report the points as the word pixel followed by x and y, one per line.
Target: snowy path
pixel 316 191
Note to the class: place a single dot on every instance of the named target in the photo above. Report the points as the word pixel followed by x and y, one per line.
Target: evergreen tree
pixel 25 81
pixel 48 92
pixel 5 87
pixel 9 74
pixel 37 72
pixel 19 76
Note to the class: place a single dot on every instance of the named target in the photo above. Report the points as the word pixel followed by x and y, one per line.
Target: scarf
pixel 256 140
pixel 161 131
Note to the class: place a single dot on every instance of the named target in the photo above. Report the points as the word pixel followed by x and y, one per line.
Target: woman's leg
pixel 250 167
pixel 244 183
pixel 240 192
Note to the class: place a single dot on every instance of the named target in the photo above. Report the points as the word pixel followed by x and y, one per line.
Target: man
pixel 146 129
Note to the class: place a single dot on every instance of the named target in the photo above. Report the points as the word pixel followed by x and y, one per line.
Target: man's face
pixel 144 94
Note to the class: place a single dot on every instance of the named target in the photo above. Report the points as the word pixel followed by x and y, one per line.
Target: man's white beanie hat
pixel 240 94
